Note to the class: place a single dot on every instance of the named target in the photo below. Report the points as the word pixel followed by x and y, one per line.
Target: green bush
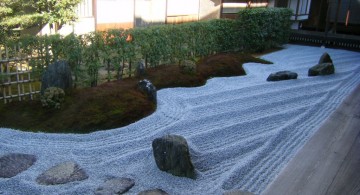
pixel 53 97
pixel 264 28
pixel 254 30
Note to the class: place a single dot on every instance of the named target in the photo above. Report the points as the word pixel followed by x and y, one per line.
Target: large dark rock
pixel 58 75
pixel 14 163
pixel 148 88
pixel 322 69
pixel 62 173
pixel 115 186
pixel 153 192
pixel 172 155
pixel 282 75
pixel 325 58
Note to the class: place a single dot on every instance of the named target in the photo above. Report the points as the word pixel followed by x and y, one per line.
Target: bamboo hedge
pixel 118 49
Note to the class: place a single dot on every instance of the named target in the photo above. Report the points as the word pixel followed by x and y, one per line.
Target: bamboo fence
pixel 15 77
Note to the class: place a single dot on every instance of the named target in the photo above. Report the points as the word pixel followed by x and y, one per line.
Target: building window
pixel 85 9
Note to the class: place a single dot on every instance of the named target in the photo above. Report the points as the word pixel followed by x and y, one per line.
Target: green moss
pixel 115 104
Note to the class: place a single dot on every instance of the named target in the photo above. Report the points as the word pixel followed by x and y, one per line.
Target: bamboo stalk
pixel 9 79
pixel 18 81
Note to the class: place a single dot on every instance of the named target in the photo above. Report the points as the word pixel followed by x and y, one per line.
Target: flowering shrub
pixel 53 97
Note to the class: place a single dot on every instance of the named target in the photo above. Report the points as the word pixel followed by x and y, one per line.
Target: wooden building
pixel 109 14
pixel 341 16
pixel 106 14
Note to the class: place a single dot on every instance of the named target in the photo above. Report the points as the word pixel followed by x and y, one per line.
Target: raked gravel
pixel 241 130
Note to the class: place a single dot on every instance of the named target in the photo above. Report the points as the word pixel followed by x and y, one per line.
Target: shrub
pixel 53 97
pixel 254 30
pixel 188 67
pixel 264 28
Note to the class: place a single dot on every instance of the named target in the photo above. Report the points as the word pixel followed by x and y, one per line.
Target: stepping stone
pixel 282 75
pixel 115 186
pixel 15 163
pixel 153 192
pixel 62 173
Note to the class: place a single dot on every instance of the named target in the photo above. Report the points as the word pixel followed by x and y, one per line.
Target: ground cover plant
pixel 117 103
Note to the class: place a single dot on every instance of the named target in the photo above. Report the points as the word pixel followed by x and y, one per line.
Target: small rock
pixel 62 173
pixel 171 154
pixel 282 75
pixel 322 69
pixel 153 192
pixel 148 88
pixel 115 186
pixel 15 163
pixel 325 58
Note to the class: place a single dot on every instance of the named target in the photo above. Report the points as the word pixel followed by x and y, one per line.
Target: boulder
pixel 62 173
pixel 322 69
pixel 115 186
pixel 140 69
pixel 15 163
pixel 58 75
pixel 148 88
pixel 171 153
pixel 282 75
pixel 325 58
pixel 153 192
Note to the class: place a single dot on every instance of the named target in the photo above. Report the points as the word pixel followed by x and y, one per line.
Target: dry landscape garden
pixel 210 107
pixel 104 68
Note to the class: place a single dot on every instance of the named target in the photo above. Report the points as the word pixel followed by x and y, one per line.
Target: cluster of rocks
pixel 14 163
pixel 171 154
pixel 59 75
pixel 324 67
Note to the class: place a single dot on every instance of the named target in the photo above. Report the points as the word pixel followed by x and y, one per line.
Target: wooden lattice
pixel 15 78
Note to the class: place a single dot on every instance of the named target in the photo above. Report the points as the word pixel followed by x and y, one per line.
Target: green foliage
pixel 92 54
pixel 72 49
pixel 53 97
pixel 57 12
pixel 120 50
pixel 264 28
pixel 28 13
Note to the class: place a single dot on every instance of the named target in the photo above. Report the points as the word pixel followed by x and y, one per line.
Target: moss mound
pixel 115 104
